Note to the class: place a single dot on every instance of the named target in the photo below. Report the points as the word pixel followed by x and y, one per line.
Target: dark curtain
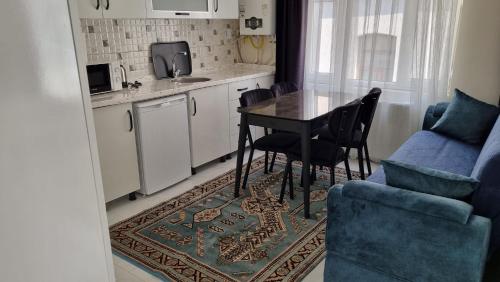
pixel 291 28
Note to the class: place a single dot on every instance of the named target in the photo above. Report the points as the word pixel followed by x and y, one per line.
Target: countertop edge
pixel 132 96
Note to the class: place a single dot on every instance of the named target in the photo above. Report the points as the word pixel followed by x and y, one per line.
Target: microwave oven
pixel 104 78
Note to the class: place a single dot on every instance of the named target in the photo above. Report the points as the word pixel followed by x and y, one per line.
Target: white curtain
pixel 404 47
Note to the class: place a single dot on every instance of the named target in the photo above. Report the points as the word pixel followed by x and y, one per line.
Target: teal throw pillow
pixel 467 119
pixel 429 181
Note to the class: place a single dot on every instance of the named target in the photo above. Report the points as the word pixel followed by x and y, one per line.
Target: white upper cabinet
pixel 124 9
pixel 225 9
pixel 112 9
pixel 195 9
pixel 179 9
pixel 90 9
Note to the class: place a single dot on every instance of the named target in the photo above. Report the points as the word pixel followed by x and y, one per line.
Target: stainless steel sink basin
pixel 191 79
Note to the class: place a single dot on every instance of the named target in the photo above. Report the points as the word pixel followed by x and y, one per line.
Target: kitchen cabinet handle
pixel 182 14
pixel 216 6
pixel 131 120
pixel 98 5
pixel 242 89
pixel 107 4
pixel 194 105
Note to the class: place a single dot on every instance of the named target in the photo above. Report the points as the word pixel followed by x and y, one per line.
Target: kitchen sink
pixel 191 79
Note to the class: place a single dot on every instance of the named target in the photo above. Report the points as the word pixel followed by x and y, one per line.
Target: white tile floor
pixel 122 209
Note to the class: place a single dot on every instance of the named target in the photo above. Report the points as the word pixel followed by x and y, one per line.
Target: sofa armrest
pixel 439 207
pixel 433 114
pixel 371 226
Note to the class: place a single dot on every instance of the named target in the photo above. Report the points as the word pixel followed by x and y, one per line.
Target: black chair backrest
pixel 367 111
pixel 256 96
pixel 342 122
pixel 284 88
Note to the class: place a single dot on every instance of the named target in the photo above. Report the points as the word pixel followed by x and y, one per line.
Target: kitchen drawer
pixel 236 88
pixel 234 127
pixel 233 109
pixel 259 132
pixel 264 82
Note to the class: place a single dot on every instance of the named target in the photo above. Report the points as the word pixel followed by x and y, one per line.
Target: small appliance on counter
pixel 104 78
pixel 162 133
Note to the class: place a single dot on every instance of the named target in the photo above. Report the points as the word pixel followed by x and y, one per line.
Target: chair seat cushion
pixel 436 151
pixel 324 134
pixel 322 153
pixel 277 142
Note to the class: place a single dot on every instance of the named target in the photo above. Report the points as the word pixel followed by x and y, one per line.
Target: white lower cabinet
pixel 265 82
pixel 213 128
pixel 209 124
pixel 235 91
pixel 117 150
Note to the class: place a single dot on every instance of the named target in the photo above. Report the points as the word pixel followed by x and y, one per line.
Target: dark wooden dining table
pixel 301 112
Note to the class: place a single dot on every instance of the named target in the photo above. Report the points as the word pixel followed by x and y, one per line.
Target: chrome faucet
pixel 176 72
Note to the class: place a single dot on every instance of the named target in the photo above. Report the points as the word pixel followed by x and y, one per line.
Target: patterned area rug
pixel 208 235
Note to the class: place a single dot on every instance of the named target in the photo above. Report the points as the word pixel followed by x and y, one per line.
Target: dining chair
pixel 361 130
pixel 325 153
pixel 278 142
pixel 281 89
pixel 284 88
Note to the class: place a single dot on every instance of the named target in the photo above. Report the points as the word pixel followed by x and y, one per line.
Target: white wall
pixel 477 57
pixel 263 56
pixel 52 229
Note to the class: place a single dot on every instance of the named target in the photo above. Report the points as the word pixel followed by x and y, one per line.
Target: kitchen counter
pixel 163 88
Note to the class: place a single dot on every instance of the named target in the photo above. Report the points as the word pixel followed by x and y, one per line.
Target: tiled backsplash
pixel 212 42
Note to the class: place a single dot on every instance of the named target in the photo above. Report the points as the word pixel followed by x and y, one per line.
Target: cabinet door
pixel 239 87
pixel 179 9
pixel 90 9
pixel 124 8
pixel 117 150
pixel 235 91
pixel 209 124
pixel 265 82
pixel 225 9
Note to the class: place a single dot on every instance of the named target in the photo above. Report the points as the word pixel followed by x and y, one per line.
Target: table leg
pixel 242 140
pixel 305 142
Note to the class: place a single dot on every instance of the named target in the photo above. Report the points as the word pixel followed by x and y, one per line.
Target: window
pixel 366 36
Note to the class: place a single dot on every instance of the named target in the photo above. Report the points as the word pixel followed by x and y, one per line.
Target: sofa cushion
pixel 429 181
pixel 467 119
pixel 433 114
pixel 436 151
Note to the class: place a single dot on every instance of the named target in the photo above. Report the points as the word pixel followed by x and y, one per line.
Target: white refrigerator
pixel 162 131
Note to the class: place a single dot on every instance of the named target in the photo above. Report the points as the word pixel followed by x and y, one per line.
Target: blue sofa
pixel 381 233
